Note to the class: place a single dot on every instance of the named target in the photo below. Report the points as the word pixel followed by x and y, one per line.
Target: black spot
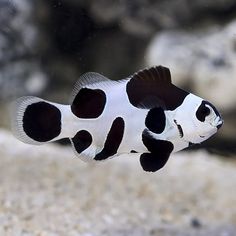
pixel 113 140
pixel 89 103
pixel 181 132
pixel 191 144
pixel 133 151
pixel 152 88
pixel 153 161
pixel 42 121
pixel 219 62
pixel 202 112
pixel 156 120
pixel 196 223
pixel 156 145
pixel 82 140
pixel 160 152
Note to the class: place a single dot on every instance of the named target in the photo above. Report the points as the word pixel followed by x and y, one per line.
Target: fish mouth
pixel 181 132
pixel 219 126
pixel 218 122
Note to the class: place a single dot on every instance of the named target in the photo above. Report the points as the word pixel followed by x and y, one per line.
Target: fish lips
pixel 218 122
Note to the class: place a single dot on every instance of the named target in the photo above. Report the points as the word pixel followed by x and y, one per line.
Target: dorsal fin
pixel 87 79
pixel 152 87
pixel 159 74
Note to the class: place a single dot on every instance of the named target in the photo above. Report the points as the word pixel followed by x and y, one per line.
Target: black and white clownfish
pixel 144 114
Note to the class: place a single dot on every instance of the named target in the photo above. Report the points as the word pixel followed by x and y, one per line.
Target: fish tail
pixel 36 121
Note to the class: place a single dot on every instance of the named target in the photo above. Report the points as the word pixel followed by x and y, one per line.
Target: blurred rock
pixel 204 61
pixel 19 46
pixel 46 191
pixel 144 18
pixel 81 44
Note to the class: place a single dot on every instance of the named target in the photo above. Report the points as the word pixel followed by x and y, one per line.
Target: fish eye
pixel 202 112
pixel 205 111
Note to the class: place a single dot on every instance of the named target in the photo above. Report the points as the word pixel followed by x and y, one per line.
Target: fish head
pixel 197 119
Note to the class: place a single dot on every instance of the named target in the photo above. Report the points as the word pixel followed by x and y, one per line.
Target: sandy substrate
pixel 46 190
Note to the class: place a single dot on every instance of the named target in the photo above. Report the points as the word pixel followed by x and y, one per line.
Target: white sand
pixel 46 190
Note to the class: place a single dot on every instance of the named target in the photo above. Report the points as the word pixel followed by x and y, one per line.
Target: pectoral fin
pixel 160 151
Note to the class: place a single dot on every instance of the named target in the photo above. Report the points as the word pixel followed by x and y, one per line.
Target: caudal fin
pixel 35 121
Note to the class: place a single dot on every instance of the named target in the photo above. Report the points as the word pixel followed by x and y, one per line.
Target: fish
pixel 144 113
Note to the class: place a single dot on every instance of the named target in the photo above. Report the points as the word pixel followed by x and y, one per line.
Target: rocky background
pixel 46 45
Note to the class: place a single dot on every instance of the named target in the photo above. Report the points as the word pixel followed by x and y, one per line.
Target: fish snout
pixel 219 122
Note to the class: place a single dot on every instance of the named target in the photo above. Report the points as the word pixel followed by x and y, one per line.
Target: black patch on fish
pixel 89 103
pixel 156 145
pixel 203 111
pixel 181 132
pixel 153 161
pixel 42 121
pixel 133 151
pixel 113 140
pixel 154 85
pixel 160 152
pixel 156 120
pixel 82 140
pixel 191 144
